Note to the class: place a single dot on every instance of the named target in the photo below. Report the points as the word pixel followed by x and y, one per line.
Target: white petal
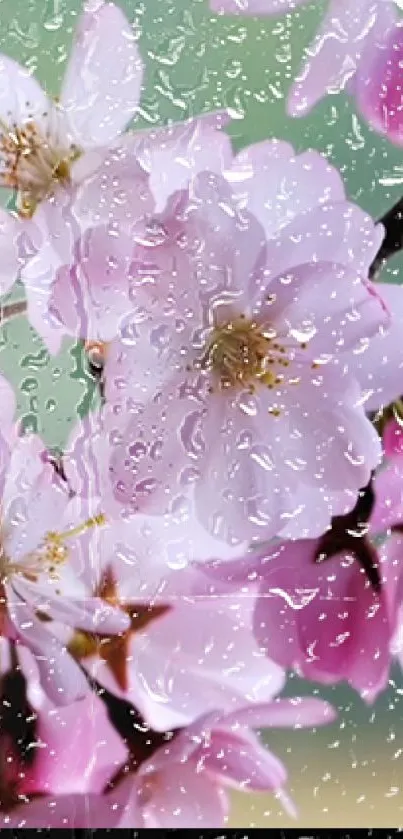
pixel 21 97
pixel 101 88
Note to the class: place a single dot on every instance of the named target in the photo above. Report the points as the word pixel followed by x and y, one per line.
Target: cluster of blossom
pixel 233 509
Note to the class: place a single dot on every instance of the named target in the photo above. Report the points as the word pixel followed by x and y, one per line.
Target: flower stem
pixel 392 221
pixel 8 311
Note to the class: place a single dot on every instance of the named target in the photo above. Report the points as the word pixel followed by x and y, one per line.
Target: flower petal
pixel 333 232
pixel 102 85
pixel 377 83
pixel 34 498
pixel 298 712
pixel 208 670
pixel 64 811
pixel 379 368
pixel 173 156
pixel 90 296
pixel 239 760
pixel 80 749
pixel 388 487
pixel 332 59
pixel 325 307
pixel 255 7
pixel 21 97
pixel 186 797
pixel 60 676
pixel 276 185
pixel 90 614
pixel 10 228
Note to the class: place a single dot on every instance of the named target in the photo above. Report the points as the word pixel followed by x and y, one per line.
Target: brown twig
pixel 8 311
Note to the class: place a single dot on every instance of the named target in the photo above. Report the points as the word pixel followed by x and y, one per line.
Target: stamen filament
pixel 94 521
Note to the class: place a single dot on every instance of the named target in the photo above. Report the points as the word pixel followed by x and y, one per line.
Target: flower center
pixel 32 165
pixel 52 553
pixel 243 353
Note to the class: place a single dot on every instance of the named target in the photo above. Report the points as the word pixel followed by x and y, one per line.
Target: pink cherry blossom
pixel 318 612
pixel 37 584
pixel 350 30
pixel 78 273
pixel 143 562
pixel 236 363
pixel 40 139
pixel 45 147
pixel 184 783
pixel 377 85
pixel 346 53
pixel 77 748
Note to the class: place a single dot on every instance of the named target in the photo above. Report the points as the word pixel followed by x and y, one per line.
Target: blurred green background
pixel 349 774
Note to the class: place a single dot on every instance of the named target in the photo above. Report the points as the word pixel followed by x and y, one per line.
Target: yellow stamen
pixel 56 551
pixel 33 163
pixel 244 353
pixel 94 521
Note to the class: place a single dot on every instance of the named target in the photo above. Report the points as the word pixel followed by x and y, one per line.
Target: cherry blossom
pixel 332 608
pixel 77 750
pixel 42 138
pixel 37 584
pixel 185 779
pixel 235 363
pixel 377 85
pixel 79 273
pixel 347 43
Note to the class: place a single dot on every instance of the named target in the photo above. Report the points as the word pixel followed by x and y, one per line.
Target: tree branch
pixel 8 311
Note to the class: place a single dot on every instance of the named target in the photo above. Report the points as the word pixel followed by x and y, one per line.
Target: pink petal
pixel 91 295
pixel 21 97
pixel 255 7
pixel 91 614
pixel 327 621
pixel 276 185
pixel 156 556
pixel 334 232
pixel 325 305
pixel 113 191
pixel 377 84
pixel 392 438
pixel 173 156
pixel 64 811
pixel 298 712
pixel 332 58
pixel 85 453
pixel 184 796
pixel 238 496
pixel 51 333
pixel 34 498
pixel 239 760
pixel 388 508
pixel 80 750
pixel 391 554
pixel 60 676
pixel 379 368
pixel 149 467
pixel 10 228
pixel 176 676
pixel 102 84
pixel 353 447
